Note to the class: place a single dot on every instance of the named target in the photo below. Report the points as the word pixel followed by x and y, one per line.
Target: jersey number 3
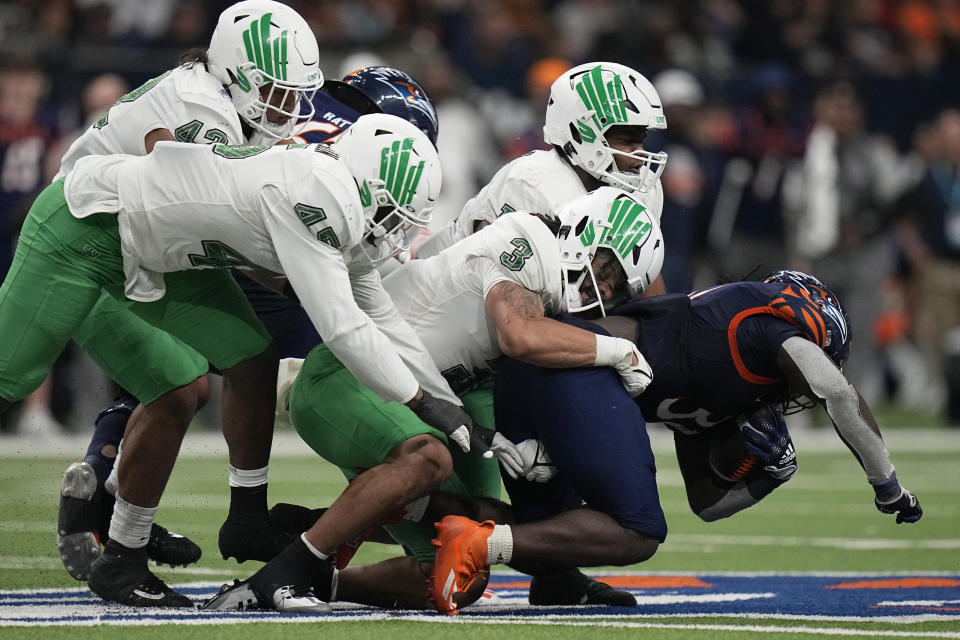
pixel 519 256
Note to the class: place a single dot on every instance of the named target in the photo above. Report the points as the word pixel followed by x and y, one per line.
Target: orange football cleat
pixel 460 571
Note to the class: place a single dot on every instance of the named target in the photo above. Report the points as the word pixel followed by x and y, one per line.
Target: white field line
pixel 587 621
pixel 285 442
pixel 851 544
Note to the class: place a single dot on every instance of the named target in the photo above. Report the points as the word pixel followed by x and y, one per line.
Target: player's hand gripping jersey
pixel 187 101
pixel 290 211
pixel 538 182
pixel 443 298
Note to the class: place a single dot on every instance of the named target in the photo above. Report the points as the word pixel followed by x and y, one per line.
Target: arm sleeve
pixel 318 275
pixel 372 298
pixel 843 404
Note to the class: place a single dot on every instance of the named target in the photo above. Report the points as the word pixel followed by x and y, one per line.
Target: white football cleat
pixel 298 599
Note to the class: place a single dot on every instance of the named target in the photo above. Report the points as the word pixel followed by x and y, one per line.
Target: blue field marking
pixel 841 597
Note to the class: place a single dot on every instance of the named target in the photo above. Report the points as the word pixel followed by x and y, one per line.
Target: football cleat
pixel 460 571
pixel 235 596
pixel 258 542
pixel 573 587
pixel 294 518
pixel 167 547
pixel 78 520
pixel 298 599
pixel 121 575
pixel 284 582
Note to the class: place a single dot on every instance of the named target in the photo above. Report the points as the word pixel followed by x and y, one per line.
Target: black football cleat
pixel 573 587
pixel 284 582
pixel 294 518
pixel 261 542
pixel 121 575
pixel 167 547
pixel 78 520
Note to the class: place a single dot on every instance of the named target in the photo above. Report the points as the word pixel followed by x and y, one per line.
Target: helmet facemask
pixel 268 97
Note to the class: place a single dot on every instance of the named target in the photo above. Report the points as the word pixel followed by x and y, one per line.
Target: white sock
pixel 500 545
pixel 414 510
pixel 313 549
pixel 130 524
pixel 247 477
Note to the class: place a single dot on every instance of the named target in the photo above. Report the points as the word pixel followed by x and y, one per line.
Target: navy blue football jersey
pixel 330 118
pixel 713 353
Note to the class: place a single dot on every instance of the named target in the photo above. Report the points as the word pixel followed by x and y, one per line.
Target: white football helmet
pixel 258 43
pixel 586 102
pixel 397 170
pixel 611 249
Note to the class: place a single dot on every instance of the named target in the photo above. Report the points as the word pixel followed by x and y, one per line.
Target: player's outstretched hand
pixel 446 417
pixel 905 505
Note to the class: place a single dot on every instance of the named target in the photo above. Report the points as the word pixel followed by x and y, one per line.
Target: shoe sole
pixel 77 550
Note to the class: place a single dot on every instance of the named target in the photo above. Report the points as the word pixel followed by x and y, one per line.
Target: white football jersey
pixel 443 297
pixel 187 101
pixel 538 182
pixel 292 211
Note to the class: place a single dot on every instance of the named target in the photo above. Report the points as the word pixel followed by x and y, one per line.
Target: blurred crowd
pixel 802 133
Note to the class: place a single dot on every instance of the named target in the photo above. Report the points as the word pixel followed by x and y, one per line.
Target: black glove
pixel 765 435
pixel 446 417
pixel 907 507
pixel 891 497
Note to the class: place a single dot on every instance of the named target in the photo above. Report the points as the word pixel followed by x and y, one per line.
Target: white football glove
pixel 537 465
pixel 619 354
pixel 507 453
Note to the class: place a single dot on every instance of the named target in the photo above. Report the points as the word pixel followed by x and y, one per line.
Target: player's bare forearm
pixel 526 334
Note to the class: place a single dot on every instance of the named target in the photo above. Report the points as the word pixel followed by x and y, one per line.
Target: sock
pixel 131 524
pixel 248 505
pixel 107 434
pixel 313 549
pixel 500 545
pixel 247 477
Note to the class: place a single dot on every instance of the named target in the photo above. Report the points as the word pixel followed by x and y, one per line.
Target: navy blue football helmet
pixel 386 90
pixel 810 305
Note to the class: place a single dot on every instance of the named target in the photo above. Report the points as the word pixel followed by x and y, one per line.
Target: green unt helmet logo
pixel 626 229
pixel 607 100
pixel 398 174
pixel 268 54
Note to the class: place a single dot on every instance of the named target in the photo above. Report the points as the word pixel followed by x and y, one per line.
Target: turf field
pixel 815 559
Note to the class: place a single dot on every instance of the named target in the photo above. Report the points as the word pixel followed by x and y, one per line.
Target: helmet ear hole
pixel 575 134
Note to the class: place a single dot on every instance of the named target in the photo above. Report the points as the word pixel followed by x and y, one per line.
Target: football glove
pixel 765 436
pixel 619 354
pixel 446 417
pixel 537 465
pixel 892 497
pixel 489 441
